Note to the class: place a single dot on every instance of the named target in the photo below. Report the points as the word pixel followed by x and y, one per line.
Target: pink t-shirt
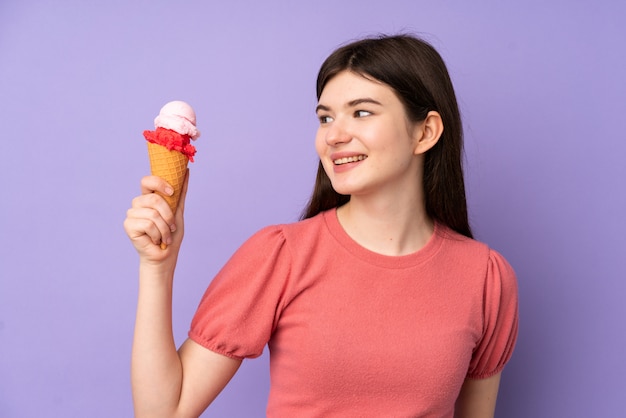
pixel 356 333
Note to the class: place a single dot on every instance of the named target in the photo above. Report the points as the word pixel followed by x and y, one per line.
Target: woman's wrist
pixel 161 271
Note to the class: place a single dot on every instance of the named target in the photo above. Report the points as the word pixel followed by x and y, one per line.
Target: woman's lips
pixel 344 161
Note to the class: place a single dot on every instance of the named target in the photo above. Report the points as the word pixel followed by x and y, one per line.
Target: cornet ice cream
pixel 169 146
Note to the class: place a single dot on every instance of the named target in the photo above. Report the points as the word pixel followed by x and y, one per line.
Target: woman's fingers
pixel 151 184
pixel 148 221
pixel 150 215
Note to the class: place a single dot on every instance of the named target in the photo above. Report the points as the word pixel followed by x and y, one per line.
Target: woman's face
pixel 365 141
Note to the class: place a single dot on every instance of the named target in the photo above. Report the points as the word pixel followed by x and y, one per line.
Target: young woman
pixel 377 303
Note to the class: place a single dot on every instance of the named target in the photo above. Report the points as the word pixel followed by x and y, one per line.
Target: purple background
pixel 541 87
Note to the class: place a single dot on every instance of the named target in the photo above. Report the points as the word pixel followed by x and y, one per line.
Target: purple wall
pixel 543 92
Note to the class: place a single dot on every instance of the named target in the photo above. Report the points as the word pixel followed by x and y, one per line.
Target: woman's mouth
pixel 346 160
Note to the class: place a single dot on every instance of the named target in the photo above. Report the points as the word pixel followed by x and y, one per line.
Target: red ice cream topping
pixel 171 140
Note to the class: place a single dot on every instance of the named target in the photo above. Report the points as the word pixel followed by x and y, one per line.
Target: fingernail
pixel 169 191
pixel 172 227
pixel 169 241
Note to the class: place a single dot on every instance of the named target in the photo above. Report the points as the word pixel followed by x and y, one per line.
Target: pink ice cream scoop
pixel 179 117
pixel 175 126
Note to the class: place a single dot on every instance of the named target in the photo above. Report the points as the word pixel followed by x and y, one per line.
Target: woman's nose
pixel 337 134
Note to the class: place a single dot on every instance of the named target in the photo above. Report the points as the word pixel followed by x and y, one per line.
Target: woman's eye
pixel 361 113
pixel 325 119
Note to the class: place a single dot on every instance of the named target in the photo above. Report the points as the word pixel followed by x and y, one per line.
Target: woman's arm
pixel 478 398
pixel 166 382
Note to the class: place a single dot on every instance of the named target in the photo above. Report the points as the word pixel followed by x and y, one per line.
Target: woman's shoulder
pixel 290 231
pixel 303 226
pixel 455 241
pixel 470 248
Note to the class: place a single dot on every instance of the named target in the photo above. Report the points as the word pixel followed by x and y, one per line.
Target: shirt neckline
pixel 422 255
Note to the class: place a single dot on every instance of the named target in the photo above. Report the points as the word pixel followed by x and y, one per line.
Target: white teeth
pixel 346 160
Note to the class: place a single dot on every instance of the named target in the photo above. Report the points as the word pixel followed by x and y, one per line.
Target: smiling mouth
pixel 346 160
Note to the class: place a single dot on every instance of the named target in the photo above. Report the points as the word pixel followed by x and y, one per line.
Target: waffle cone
pixel 172 167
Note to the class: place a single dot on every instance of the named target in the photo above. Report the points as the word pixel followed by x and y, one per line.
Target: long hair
pixel 418 75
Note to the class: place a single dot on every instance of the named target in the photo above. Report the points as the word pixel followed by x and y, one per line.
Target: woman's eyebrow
pixel 369 100
pixel 322 107
pixel 351 103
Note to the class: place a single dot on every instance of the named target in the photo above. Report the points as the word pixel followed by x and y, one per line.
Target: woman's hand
pixel 150 221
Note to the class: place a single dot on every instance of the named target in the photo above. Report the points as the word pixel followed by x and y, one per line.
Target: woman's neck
pixel 387 227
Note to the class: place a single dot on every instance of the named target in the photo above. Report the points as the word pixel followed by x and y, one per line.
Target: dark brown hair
pixel 419 77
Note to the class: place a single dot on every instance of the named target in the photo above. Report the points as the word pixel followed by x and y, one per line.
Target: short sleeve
pixel 239 309
pixel 500 313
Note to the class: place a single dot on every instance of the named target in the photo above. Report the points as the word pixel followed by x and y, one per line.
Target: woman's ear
pixel 428 132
